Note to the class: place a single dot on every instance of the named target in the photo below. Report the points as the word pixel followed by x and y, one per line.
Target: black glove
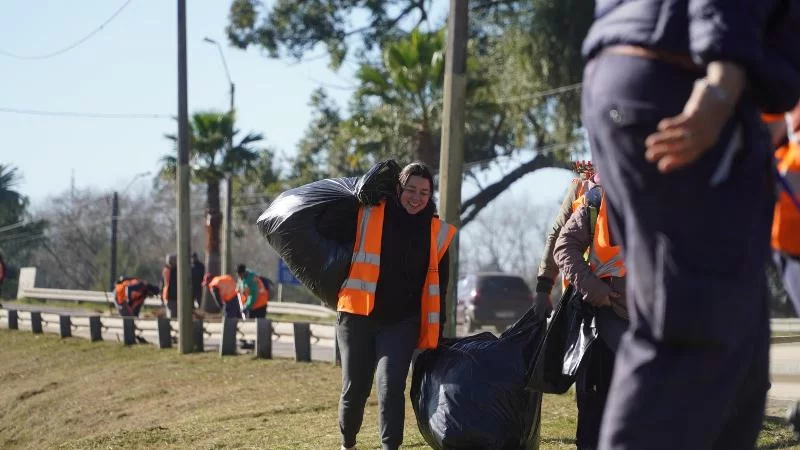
pixel 379 182
pixel 542 306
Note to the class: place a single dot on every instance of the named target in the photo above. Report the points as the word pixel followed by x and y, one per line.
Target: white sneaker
pixel 348 448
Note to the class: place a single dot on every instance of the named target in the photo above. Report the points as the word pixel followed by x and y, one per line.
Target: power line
pixel 74 44
pixel 36 112
pixel 535 95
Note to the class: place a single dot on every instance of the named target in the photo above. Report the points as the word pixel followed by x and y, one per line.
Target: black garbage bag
pixel 569 336
pixel 470 393
pixel 291 225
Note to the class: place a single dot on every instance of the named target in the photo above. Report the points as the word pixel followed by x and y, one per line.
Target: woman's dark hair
pixel 418 168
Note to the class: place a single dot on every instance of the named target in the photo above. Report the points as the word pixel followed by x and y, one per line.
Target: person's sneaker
pixel 348 448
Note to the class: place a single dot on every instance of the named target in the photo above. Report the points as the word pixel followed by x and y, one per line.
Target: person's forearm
pixel 729 77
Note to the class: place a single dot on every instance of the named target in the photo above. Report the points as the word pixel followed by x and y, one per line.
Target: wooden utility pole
pixel 184 277
pixel 114 220
pixel 451 161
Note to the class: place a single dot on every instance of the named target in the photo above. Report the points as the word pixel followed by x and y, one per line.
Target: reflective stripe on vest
pixel 786 221
pixel 604 258
pixel 226 286
pixel 357 294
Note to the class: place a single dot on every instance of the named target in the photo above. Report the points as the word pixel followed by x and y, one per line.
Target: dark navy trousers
pixel 692 371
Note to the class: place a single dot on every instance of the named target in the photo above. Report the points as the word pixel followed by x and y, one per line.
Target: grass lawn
pixel 74 394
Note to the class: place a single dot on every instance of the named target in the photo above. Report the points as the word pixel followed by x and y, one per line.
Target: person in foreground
pixel 391 302
pixel 671 100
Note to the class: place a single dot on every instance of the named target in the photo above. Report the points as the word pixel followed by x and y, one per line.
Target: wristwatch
pixel 717 91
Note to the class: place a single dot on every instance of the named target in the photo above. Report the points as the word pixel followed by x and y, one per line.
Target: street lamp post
pixel 227 220
pixel 114 220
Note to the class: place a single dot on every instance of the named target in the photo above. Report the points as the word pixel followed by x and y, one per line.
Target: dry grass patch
pixel 74 394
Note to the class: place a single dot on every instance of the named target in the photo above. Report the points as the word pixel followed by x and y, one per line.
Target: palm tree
pixel 12 203
pixel 212 160
pixel 409 82
pixel 20 235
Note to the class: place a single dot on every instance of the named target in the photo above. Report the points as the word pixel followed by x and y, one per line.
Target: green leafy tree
pixel 524 66
pixel 20 236
pixel 211 161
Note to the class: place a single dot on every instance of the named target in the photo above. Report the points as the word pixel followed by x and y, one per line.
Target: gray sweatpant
pixel 370 349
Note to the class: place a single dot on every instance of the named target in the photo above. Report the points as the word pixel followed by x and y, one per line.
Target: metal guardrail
pixel 101 297
pixel 160 332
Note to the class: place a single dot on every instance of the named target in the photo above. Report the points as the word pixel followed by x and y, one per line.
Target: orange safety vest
pixel 583 188
pixel 121 291
pixel 357 295
pixel 262 297
pixel 166 275
pixel 226 286
pixel 786 221
pixel 605 259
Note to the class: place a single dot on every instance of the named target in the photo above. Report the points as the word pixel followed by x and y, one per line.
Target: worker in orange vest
pixel 599 281
pixel 548 269
pixel 223 290
pixel 253 293
pixel 785 237
pixel 169 285
pixel 392 301
pixel 130 293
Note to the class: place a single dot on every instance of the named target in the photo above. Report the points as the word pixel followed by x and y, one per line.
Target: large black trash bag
pixel 470 393
pixel 569 336
pixel 291 226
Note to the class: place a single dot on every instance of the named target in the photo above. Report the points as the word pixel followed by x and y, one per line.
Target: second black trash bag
pixel 567 340
pixel 470 393
pixel 291 225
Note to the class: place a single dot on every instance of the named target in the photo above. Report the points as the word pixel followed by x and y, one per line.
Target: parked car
pixel 491 299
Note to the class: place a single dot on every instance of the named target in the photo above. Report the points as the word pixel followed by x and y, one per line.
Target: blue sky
pixel 130 67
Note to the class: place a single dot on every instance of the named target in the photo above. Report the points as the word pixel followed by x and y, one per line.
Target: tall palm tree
pixel 212 160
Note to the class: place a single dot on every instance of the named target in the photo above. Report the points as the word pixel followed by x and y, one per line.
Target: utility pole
pixel 114 219
pixel 451 160
pixel 184 233
pixel 227 222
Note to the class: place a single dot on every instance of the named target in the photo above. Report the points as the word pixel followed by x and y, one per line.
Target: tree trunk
pixel 213 226
pixel 426 150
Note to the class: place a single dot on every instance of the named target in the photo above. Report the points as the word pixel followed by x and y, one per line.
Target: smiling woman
pixel 416 183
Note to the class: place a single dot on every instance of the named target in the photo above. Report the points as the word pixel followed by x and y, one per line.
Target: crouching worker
pixel 130 293
pixel 253 294
pixel 601 284
pixel 223 291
